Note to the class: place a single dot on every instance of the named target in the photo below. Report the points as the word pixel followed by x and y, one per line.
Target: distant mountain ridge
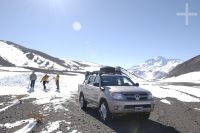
pixel 155 68
pixel 12 54
pixel 191 65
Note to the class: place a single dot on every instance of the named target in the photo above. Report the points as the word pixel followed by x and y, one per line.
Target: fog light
pixel 117 107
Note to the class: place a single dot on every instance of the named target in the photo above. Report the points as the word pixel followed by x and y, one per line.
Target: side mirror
pixel 137 84
pixel 96 84
pixel 102 88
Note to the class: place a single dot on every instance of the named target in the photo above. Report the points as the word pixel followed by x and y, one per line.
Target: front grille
pixel 135 96
pixel 133 106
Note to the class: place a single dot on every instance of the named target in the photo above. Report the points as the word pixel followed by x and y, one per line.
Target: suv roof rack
pixel 105 70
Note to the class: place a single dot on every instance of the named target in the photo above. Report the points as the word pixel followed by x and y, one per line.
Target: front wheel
pixel 104 112
pixel 82 102
pixel 146 116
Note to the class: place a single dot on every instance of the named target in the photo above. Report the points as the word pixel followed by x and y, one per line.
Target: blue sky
pixel 113 32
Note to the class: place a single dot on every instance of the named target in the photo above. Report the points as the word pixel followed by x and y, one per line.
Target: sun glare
pixel 76 26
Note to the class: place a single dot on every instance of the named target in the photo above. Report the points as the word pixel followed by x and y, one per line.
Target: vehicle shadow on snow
pixel 132 124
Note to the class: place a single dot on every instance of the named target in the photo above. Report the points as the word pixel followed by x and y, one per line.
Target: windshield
pixel 116 81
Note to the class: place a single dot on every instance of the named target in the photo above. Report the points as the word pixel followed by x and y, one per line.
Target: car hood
pixel 126 89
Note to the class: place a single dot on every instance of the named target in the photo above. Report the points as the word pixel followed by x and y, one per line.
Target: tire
pixel 82 102
pixel 104 112
pixel 145 116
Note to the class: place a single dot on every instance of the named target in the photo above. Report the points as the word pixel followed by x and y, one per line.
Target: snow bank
pixel 160 92
pixel 192 77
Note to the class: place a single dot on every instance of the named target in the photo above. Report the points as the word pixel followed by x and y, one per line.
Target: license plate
pixel 138 109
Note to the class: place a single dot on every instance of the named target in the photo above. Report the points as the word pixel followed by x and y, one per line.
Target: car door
pixel 95 90
pixel 88 89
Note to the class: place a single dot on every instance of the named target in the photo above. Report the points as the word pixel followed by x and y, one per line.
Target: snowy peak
pixel 157 61
pixel 160 61
pixel 155 68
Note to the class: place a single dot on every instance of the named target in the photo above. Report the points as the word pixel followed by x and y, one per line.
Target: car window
pixel 91 80
pixel 97 79
pixel 126 82
pixel 116 81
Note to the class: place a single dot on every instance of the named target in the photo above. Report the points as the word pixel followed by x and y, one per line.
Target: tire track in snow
pixel 182 92
pixel 5 108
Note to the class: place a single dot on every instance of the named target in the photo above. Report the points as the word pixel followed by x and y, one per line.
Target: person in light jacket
pixel 45 80
pixel 57 81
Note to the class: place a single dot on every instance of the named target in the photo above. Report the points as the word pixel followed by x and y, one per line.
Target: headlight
pixel 149 96
pixel 117 96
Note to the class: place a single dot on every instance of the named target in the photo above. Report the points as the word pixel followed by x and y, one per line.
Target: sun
pixel 76 26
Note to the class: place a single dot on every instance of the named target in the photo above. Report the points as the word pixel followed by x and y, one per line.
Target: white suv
pixel 115 94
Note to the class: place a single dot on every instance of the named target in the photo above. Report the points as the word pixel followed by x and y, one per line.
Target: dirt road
pixel 166 118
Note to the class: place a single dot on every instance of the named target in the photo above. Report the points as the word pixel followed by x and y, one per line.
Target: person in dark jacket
pixel 33 77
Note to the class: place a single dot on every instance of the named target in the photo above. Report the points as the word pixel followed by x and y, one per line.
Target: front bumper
pixel 116 106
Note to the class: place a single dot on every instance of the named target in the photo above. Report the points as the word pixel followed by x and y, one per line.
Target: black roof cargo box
pixel 107 69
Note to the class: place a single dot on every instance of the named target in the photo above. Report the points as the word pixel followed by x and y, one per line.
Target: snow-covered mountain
pixel 155 68
pixel 12 54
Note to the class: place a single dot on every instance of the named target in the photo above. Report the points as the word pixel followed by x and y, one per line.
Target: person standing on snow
pixel 33 77
pixel 57 81
pixel 45 80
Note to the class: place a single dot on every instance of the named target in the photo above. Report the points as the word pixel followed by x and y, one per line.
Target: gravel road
pixel 166 118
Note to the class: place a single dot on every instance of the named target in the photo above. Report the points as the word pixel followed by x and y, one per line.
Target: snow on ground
pixel 182 93
pixel 185 89
pixel 192 77
pixel 74 131
pixel 13 83
pixel 198 109
pixel 15 69
pixel 53 126
pixel 13 103
pixel 165 101
pixel 31 123
pixel 17 83
pixel 170 91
